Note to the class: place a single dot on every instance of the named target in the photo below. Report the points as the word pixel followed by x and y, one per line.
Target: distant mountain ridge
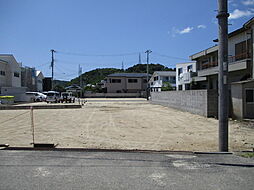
pixel 96 75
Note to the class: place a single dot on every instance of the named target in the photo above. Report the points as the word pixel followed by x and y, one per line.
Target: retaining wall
pixel 201 102
pixel 114 95
pixel 21 107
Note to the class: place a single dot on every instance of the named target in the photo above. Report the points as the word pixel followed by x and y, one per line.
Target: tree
pixel 166 86
pixel 59 88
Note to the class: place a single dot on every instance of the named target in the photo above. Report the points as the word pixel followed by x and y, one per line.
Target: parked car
pixel 35 96
pixel 67 97
pixel 53 96
pixel 45 93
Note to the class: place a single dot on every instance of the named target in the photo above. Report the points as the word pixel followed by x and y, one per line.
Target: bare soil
pixel 121 124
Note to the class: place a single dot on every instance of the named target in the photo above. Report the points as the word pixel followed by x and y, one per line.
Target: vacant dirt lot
pixel 121 124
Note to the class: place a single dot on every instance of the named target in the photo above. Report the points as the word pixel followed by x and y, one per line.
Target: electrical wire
pixel 83 63
pixel 43 64
pixel 170 57
pixel 99 55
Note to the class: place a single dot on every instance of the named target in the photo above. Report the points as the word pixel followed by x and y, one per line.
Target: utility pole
pixel 139 59
pixel 147 73
pixel 122 66
pixel 223 74
pixel 80 79
pixel 52 67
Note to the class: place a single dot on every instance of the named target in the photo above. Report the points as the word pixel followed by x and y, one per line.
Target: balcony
pixel 239 57
pixel 186 77
pixel 235 63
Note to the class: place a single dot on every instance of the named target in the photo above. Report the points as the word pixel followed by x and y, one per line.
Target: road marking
pixel 40 171
pixel 179 156
pixel 158 178
pixel 189 165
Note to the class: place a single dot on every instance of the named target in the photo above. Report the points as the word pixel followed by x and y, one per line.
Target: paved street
pixel 131 123
pixel 122 170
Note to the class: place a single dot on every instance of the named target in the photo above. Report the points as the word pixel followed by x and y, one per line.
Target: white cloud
pixel 176 31
pixel 201 26
pixel 186 30
pixel 248 2
pixel 238 14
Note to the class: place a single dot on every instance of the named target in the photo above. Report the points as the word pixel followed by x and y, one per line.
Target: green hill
pixel 96 75
pixel 141 68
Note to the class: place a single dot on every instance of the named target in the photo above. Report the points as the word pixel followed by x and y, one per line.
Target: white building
pixel 240 60
pixel 10 71
pixel 159 78
pixel 39 80
pixel 184 74
pixel 10 77
pixel 240 70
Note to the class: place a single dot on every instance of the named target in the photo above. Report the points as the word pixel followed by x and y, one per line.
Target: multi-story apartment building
pixel 32 79
pixel 10 72
pixel 126 82
pixel 28 78
pixel 39 81
pixel 185 73
pixel 160 78
pixel 240 70
pixel 10 77
pixel 240 64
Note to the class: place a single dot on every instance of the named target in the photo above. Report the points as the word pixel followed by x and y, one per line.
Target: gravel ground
pixel 121 124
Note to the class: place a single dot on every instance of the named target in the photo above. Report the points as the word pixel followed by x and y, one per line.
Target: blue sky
pixel 93 28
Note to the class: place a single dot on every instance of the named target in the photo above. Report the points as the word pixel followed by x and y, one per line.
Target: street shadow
pixel 236 165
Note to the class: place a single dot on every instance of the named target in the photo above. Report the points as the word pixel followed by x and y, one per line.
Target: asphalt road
pixel 123 170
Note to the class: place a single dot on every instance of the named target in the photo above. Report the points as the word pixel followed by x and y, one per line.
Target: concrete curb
pixel 212 152
pixel 95 150
pixel 40 107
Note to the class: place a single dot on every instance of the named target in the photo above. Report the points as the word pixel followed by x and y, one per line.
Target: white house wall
pixel 13 67
pixel 235 40
pixel 4 78
pixel 185 74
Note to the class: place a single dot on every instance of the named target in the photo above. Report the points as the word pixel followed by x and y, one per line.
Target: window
pixel 242 49
pixel 16 74
pixel 155 78
pixel 180 87
pixel 205 63
pixel 180 70
pixel 2 73
pixel 187 86
pixel 116 80
pixel 189 68
pixel 144 81
pixel 172 79
pixel 249 95
pixel 132 80
pixel 166 78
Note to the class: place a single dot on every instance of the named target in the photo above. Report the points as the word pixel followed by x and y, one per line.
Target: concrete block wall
pixel 212 109
pixel 201 102
pixel 115 95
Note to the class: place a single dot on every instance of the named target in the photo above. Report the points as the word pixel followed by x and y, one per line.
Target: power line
pixel 43 64
pixel 171 57
pixel 74 62
pixel 97 55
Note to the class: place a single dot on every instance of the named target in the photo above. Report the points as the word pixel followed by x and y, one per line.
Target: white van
pixel 53 96
pixel 35 97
